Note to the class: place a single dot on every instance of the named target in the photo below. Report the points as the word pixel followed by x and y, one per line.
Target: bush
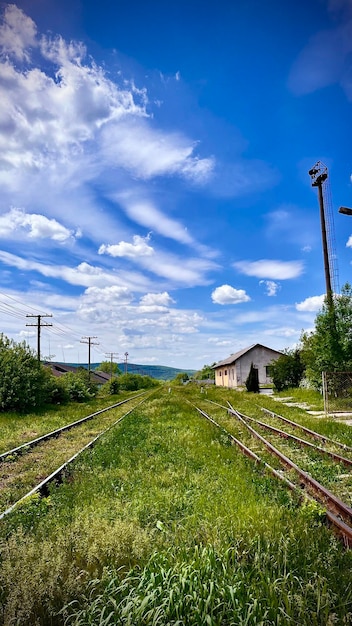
pixel 24 383
pixel 76 387
pixel 114 386
pixel 287 371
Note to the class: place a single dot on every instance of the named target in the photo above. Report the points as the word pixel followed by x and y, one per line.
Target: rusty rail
pixel 25 447
pixel 307 430
pixel 337 512
pixel 57 476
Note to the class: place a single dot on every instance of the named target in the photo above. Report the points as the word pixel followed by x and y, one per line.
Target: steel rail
pixel 340 526
pixel 336 505
pixel 301 442
pixel 57 475
pixel 24 447
pixel 247 451
pixel 307 430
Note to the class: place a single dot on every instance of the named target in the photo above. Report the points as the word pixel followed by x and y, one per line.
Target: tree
pixel 252 382
pixel 287 371
pixel 205 373
pixel 24 383
pixel 181 378
pixel 329 347
pixel 109 368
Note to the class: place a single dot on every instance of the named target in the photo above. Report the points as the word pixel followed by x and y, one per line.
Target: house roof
pixel 58 369
pixel 237 355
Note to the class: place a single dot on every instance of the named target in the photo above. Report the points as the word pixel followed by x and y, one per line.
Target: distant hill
pixel 161 372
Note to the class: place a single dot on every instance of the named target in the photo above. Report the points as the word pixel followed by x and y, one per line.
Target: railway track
pixel 31 467
pixel 266 452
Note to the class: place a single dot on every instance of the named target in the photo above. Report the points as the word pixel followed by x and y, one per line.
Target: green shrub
pixel 76 387
pixel 24 383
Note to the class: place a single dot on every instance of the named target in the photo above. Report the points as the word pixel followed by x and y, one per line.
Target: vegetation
pixel 24 383
pixel 252 382
pixel 109 368
pixel 164 522
pixel 205 373
pixel 329 347
pixel 288 370
pixel 180 378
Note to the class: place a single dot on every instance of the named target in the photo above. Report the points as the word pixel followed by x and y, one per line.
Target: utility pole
pixel 38 325
pixel 111 355
pixel 319 174
pixel 90 343
pixel 126 356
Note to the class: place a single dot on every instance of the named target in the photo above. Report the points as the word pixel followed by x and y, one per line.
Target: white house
pixel 233 371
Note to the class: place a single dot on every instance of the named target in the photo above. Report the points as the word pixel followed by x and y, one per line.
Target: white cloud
pixel 84 274
pixel 349 242
pixel 145 213
pixel 35 225
pixel 17 33
pixel 270 269
pixel 271 287
pixel 138 248
pixel 228 295
pixel 148 152
pixel 158 299
pixel 312 304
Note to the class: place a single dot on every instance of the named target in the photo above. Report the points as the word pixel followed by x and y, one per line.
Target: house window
pixel 268 370
pixel 225 373
pixel 220 373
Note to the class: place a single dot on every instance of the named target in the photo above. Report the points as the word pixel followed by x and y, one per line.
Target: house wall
pixel 235 374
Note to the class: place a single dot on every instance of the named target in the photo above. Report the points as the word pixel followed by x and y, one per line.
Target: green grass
pixel 164 522
pixel 16 428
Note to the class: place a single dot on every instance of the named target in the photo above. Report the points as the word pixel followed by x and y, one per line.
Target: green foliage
pixel 329 347
pixel 287 371
pixel 24 383
pixel 76 386
pixel 205 373
pixel 109 368
pixel 252 382
pixel 133 382
pixel 114 386
pixel 181 378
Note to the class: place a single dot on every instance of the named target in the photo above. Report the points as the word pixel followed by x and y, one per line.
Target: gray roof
pixel 234 357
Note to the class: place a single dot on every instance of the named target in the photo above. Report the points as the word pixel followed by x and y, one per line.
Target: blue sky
pixel 154 173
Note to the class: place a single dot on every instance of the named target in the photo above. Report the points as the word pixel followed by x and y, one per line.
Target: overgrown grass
pixel 16 428
pixel 164 522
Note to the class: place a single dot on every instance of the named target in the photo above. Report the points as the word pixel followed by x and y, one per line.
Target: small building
pixel 233 371
pixel 59 369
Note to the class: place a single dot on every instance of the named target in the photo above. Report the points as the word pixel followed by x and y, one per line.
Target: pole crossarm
pixel 39 326
pixel 90 343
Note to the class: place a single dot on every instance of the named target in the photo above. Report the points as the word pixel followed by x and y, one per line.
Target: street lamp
pixel 345 210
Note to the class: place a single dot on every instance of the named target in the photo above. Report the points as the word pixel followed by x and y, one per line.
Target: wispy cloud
pixel 146 213
pixel 148 152
pixel 84 274
pixel 271 287
pixel 229 295
pixel 270 269
pixel 324 60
